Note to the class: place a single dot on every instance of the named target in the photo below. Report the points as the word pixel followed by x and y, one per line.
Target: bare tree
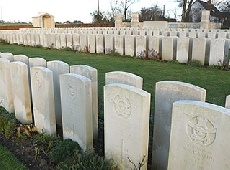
pixel 186 8
pixel 123 6
pixel 153 13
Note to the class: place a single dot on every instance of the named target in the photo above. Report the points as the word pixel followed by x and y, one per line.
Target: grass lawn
pixel 9 161
pixel 215 81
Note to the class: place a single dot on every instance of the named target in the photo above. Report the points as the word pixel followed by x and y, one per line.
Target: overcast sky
pixel 63 10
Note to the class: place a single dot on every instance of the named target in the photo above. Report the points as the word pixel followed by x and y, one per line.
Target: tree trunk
pixel 184 10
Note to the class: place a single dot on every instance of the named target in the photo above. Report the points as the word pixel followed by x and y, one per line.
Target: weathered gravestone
pixel 43 100
pixel 90 73
pixel 6 95
pixel 227 102
pixel 21 92
pixel 166 93
pixel 126 117
pixel 58 68
pixel 199 136
pixel 76 99
pixel 123 78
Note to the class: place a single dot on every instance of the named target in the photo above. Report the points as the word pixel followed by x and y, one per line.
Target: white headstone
pixel 227 102
pixel 76 99
pixel 22 58
pixel 119 44
pixel 154 43
pixel 37 62
pixel 58 68
pixel 129 45
pixel 216 52
pixel 6 95
pixel 76 42
pixel 100 43
pixel 126 114
pixel 199 136
pixel 109 44
pixel 141 46
pixel 166 93
pixel 123 78
pixel 182 50
pixel 8 56
pixel 90 73
pixel 84 43
pixel 21 92
pixel 167 48
pixel 92 43
pixel 198 49
pixel 43 100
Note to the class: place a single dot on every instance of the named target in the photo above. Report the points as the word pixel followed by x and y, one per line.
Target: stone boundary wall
pixel 183 45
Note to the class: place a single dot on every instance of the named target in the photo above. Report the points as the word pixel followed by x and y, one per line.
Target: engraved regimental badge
pixel 201 131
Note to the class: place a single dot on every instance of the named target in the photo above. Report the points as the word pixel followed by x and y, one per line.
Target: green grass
pixel 215 81
pixel 8 161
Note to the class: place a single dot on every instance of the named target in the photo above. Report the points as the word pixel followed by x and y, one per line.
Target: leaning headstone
pixel 22 58
pixel 76 99
pixel 166 93
pixel 129 45
pixel 216 56
pixel 198 50
pixel 182 50
pixel 123 78
pixel 199 136
pixel 58 68
pixel 227 102
pixel 43 100
pixel 21 92
pixel 126 114
pixel 90 73
pixel 6 95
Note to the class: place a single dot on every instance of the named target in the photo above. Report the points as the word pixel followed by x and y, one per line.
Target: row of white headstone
pixel 188 132
pixel 193 33
pixel 208 51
